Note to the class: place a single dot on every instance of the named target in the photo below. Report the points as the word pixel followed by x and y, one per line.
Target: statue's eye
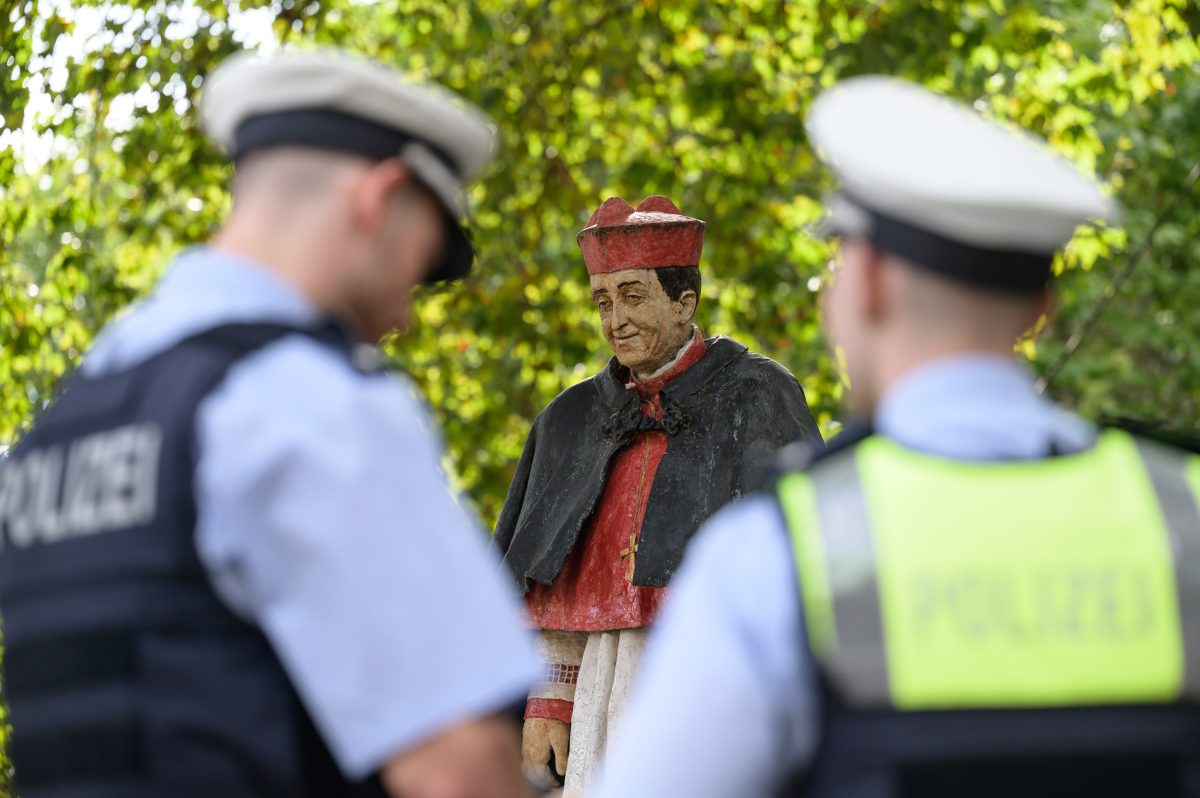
pixel 604 304
pixel 634 298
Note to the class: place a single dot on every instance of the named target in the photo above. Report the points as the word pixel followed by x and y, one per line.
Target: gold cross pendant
pixel 631 553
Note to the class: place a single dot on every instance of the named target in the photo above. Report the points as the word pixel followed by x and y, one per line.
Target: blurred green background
pixel 104 175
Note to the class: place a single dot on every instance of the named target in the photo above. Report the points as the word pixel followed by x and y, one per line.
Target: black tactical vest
pixel 125 673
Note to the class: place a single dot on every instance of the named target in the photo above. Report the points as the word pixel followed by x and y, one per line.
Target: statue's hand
pixel 540 737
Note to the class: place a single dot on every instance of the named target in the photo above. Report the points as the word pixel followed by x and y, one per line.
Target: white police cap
pixel 331 100
pixel 936 183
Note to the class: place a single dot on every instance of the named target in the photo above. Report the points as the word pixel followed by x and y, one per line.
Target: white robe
pixel 607 662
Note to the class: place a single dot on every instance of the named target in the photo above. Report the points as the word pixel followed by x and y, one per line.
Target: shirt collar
pixel 232 288
pixel 978 407
pixel 203 288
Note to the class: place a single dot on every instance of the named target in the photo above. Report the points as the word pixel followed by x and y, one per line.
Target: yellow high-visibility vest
pixel 931 583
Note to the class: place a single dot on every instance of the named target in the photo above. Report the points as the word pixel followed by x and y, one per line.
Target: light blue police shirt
pixel 725 706
pixel 325 518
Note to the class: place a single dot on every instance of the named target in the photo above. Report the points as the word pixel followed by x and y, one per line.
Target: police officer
pixel 977 595
pixel 230 564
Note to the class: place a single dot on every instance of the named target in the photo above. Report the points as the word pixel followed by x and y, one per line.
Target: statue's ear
pixel 687 306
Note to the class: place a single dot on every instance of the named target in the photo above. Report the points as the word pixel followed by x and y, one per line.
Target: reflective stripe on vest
pixel 931 583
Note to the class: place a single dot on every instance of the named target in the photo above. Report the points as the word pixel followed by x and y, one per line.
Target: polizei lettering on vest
pixel 104 482
pixel 1111 603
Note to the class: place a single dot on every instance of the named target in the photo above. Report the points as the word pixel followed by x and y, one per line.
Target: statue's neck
pixel 692 351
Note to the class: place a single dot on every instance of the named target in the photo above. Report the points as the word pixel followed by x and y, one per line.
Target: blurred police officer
pixel 231 565
pixel 982 594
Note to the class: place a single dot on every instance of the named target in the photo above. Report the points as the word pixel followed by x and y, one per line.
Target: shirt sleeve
pixel 325 518
pixel 726 702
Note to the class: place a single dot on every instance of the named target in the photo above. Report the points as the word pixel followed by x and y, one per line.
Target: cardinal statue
pixel 620 470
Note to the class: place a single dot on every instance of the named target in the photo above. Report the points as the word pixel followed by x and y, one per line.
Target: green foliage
pixel 700 100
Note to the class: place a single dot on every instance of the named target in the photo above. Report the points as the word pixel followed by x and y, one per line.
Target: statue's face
pixel 644 326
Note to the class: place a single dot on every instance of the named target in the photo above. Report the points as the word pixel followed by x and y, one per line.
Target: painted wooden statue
pixel 619 471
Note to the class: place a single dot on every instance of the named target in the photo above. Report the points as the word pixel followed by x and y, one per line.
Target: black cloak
pixel 725 417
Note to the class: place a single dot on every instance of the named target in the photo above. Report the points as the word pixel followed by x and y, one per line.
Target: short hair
pixel 675 280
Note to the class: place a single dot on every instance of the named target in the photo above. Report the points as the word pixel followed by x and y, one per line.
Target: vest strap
pixel 853 579
pixel 1167 469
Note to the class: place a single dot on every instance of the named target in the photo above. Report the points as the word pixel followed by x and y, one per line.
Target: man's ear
pixel 874 290
pixel 374 192
pixel 686 305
